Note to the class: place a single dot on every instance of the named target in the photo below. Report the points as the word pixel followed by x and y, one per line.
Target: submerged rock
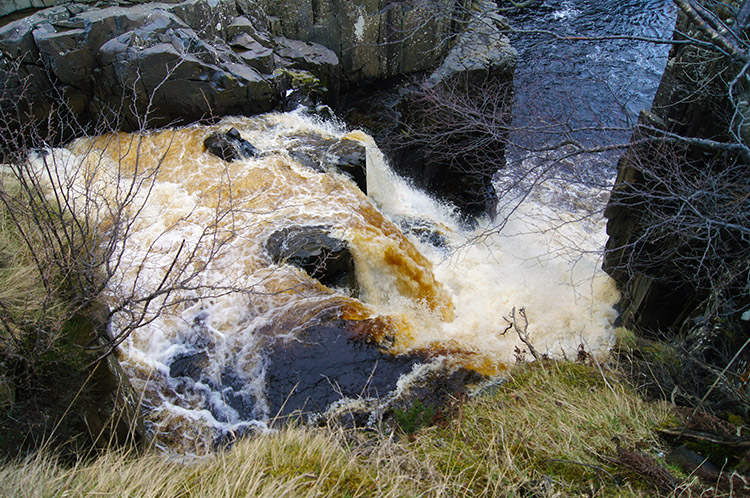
pixel 189 365
pixel 323 257
pixel 230 146
pixel 427 390
pixel 326 363
pixel 424 231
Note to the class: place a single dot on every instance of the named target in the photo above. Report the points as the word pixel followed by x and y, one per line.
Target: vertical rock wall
pixel 374 39
pixel 669 270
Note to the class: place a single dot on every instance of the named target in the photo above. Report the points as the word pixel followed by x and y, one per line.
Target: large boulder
pixel 312 249
pixel 333 155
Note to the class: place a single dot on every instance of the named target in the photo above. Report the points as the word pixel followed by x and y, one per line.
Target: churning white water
pixel 196 256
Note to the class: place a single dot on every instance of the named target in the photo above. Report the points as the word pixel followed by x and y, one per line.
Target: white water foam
pixel 452 299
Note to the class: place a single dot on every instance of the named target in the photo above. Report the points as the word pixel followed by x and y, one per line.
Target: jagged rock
pixel 347 156
pixel 230 146
pixel 313 58
pixel 350 157
pixel 325 363
pixel 253 52
pixel 311 248
pixel 455 171
pixel 169 61
pixel 482 51
pixel 661 294
pixel 374 40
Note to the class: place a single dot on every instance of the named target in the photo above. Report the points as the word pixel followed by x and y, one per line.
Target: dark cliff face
pixel 677 224
pixel 94 68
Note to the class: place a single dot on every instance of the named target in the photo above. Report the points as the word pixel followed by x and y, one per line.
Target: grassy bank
pixel 552 430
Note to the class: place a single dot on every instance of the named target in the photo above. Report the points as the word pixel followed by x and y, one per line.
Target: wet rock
pixel 305 93
pixel 430 389
pixel 325 364
pixel 435 387
pixel 230 146
pixel 346 156
pixel 189 365
pixel 113 414
pixel 425 231
pixel 311 248
pixel 350 157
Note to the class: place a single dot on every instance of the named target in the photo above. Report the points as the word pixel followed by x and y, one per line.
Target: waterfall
pixel 426 284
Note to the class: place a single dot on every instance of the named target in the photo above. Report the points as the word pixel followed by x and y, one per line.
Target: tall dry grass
pixel 551 430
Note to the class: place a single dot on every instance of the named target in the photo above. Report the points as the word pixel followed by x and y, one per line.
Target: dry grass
pixel 24 299
pixel 550 431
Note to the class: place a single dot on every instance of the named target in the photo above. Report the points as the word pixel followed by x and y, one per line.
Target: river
pixel 221 354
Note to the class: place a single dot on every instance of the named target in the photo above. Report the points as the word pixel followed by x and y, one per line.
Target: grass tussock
pixel 552 430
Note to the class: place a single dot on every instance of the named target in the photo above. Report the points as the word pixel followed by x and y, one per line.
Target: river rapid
pixel 207 221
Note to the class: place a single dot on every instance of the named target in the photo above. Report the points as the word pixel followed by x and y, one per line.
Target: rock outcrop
pixel 680 272
pixel 424 127
pixel 375 39
pixel 72 401
pixel 153 64
pixel 142 65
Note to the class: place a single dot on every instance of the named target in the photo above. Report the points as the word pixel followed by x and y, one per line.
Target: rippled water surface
pixel 566 73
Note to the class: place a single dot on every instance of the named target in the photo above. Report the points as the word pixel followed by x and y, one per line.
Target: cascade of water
pixel 425 283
